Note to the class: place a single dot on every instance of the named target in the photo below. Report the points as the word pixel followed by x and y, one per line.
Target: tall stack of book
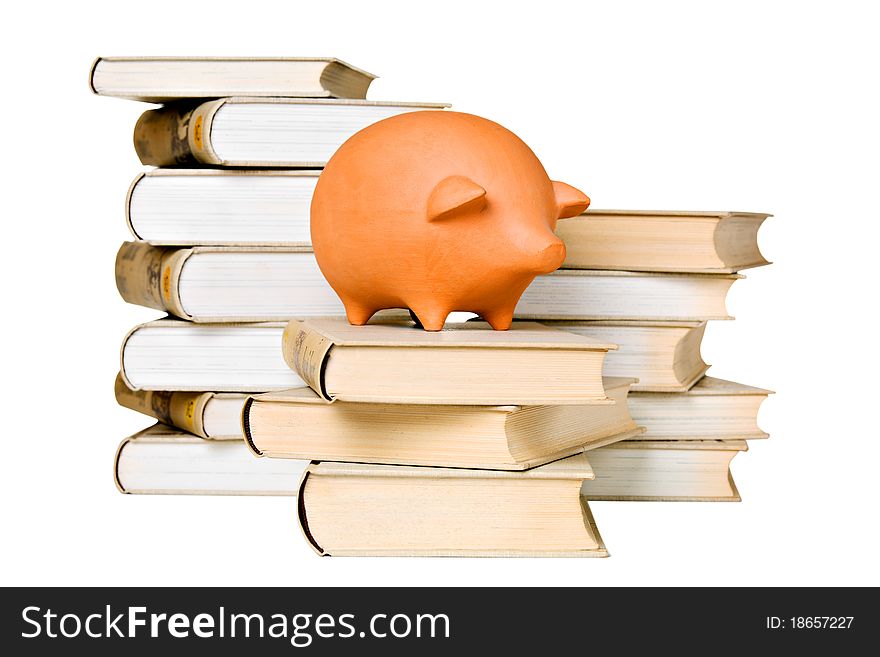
pixel 221 228
pixel 667 274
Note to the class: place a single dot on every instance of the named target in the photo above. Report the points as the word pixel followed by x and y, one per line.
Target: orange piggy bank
pixel 437 212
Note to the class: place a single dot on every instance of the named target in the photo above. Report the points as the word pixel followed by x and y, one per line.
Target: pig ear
pixel 454 195
pixel 570 202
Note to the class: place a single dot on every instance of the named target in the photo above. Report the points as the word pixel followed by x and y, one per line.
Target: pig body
pixel 437 212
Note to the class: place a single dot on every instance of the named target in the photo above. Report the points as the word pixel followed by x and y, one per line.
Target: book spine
pixel 128 198
pixel 184 410
pixel 116 458
pixel 306 352
pixel 176 134
pixel 246 427
pixel 92 70
pixel 301 513
pixel 149 275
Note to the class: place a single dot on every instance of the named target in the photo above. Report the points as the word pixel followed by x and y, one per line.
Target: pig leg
pixel 431 318
pixel 357 313
pixel 499 318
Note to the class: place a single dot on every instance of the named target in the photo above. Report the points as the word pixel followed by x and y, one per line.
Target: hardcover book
pixel 225 284
pixel 162 460
pixel 214 415
pixel 164 79
pixel 222 207
pixel 664 356
pixel 662 241
pixel 664 471
pixel 351 509
pixel 301 425
pixel 713 409
pixel 466 363
pixel 174 355
pixel 232 132
pixel 625 295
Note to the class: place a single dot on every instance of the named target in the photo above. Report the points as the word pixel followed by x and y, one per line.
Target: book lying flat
pixel 222 207
pixel 222 284
pixel 466 363
pixel 214 415
pixel 255 132
pixel 163 79
pixel 669 241
pixel 713 409
pixel 301 425
pixel 174 355
pixel 162 460
pixel 669 470
pixel 392 510
pixel 664 356
pixel 616 295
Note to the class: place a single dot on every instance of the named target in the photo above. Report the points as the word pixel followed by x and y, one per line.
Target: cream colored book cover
pixel 667 241
pixel 301 425
pixel 713 409
pixel 466 363
pixel 166 79
pixel 386 510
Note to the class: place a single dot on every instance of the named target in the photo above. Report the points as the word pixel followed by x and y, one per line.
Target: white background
pixel 768 107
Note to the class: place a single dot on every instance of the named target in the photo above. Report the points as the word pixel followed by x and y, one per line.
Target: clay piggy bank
pixel 437 212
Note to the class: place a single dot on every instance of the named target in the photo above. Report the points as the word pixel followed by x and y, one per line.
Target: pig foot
pixel 499 319
pixel 357 314
pixel 430 319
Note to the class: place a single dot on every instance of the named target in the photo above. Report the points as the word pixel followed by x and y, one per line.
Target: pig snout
pixel 549 258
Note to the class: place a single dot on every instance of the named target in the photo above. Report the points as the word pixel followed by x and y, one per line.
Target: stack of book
pixel 221 230
pixel 672 271
pixel 395 440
